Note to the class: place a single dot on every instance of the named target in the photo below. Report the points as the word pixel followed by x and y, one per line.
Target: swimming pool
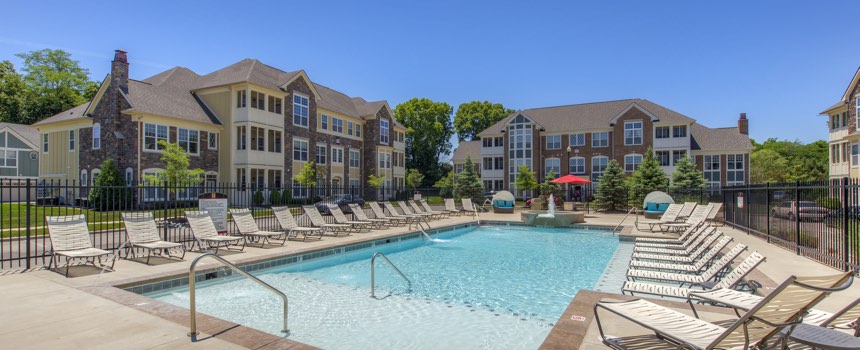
pixel 485 287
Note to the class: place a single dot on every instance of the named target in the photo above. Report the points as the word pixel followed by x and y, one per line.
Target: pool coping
pixel 121 291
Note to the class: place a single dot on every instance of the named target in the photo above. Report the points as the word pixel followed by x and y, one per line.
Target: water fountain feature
pixel 551 218
pixel 550 213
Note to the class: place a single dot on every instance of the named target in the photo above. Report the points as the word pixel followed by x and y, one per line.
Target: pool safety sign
pixel 216 205
pixel 740 200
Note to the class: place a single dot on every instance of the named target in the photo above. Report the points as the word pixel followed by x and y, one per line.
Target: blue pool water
pixel 486 288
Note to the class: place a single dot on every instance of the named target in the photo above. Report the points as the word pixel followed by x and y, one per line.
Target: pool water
pixel 486 287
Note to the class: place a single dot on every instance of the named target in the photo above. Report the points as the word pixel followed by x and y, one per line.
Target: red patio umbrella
pixel 570 179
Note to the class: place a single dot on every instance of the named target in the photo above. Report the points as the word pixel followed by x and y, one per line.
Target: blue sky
pixel 781 62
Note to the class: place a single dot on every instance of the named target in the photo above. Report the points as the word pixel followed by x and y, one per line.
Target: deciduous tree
pixel 110 191
pixel 56 82
pixel 475 116
pixel 525 180
pixel 13 93
pixel 176 173
pixel 429 134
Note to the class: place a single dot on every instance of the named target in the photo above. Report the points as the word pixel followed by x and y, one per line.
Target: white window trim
pixel 209 138
pixel 325 153
pixel 293 149
pixel 641 133
pixel 593 163
pixel 143 143
pixel 632 155
pixel 129 176
pixel 84 179
pixel 547 142
pixel 569 162
pixel 333 158
pixel 46 144
pixel 594 138
pixel 178 131
pixel 388 131
pixel 293 114
pixel 357 159
pixel 546 166
pixel 94 174
pixel 72 140
pixel 97 131
pixel 570 138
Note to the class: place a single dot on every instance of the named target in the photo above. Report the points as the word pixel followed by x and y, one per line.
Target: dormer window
pixel 679 131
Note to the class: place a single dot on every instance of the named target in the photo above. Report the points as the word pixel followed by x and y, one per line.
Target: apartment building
pixel 248 124
pixel 843 136
pixel 581 139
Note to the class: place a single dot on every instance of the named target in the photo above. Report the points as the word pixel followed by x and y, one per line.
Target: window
pixel 498 141
pixel 258 139
pixel 500 163
pixel 520 134
pixel 553 142
pixel 384 160
pixel 576 165
pixel 97 136
pixel 258 100
pixel 96 173
pixel 487 142
pixel 152 191
pixel 576 140
pixel 383 131
pixel 212 140
pixel 354 158
pixel 189 140
pixel 354 183
pixel 633 133
pixel 44 143
pixel 71 140
pixel 129 176
pixel 300 110
pixel 552 165
pixel 631 162
pixel 241 98
pixel 735 169
pixel 857 110
pixel 358 130
pixel 598 167
pixel 855 151
pixel 211 182
pixel 661 132
pixel 679 131
pixel 844 119
pixel 458 168
pixel 152 133
pixel 300 150
pixel 677 155
pixel 349 128
pixel 662 157
pixel 834 121
pixel 298 190
pixel 499 184
pixel 488 163
pixel 274 178
pixel 275 141
pixel 241 137
pixel 337 125
pixel 321 154
pixel 275 104
pixel 8 158
pixel 241 177
pixel 258 178
pixel 324 122
pixel 84 180
pixel 337 155
pixel 600 139
pixel 711 169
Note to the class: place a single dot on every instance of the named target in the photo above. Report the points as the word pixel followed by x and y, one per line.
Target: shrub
pixel 258 197
pixel 110 191
pixel 829 202
pixel 275 197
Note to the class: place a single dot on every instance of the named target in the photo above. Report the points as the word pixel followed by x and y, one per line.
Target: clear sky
pixel 781 62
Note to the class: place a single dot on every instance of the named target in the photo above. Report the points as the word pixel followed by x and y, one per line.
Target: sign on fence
pixel 740 200
pixel 216 205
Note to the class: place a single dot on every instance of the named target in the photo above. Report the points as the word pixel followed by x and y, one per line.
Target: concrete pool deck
pixel 43 309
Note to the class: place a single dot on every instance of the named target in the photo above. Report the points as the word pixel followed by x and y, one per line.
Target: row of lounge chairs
pixel 679 217
pixel 70 237
pixel 696 267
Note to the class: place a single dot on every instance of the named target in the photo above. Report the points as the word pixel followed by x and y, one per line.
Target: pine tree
pixel 611 191
pixel 647 178
pixel 467 184
pixel 686 176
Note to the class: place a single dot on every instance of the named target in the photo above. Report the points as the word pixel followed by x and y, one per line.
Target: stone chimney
pixel 743 124
pixel 119 71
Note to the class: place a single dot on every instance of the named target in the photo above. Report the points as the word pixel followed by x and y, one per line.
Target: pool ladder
pixel 193 304
pixel 373 276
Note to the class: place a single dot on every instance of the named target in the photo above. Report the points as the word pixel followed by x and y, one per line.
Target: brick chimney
pixel 743 124
pixel 119 71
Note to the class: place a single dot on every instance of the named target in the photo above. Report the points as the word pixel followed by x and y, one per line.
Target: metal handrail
pixel 625 218
pixel 193 304
pixel 373 274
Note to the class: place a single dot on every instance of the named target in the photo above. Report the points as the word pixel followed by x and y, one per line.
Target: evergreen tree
pixel 445 185
pixel 467 184
pixel 547 188
pixel 110 192
pixel 611 191
pixel 686 176
pixel 647 178
pixel 525 180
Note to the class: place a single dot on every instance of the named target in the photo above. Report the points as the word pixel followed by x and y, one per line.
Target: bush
pixel 258 197
pixel 110 191
pixel 275 197
pixel 829 202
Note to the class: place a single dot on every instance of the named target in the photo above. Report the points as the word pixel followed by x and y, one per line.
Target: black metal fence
pixel 818 219
pixel 25 243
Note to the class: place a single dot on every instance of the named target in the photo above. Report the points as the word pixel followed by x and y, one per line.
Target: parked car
pixel 802 210
pixel 341 200
pixel 853 212
pixel 780 196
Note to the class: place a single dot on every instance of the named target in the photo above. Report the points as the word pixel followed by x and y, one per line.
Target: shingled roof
pixel 589 116
pixel 76 112
pixel 29 133
pixel 467 149
pixel 717 139
pixel 169 94
pixel 246 70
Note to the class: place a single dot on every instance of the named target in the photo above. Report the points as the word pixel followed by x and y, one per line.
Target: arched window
pixel 84 178
pixel 97 136
pixel 96 173
pixel 129 176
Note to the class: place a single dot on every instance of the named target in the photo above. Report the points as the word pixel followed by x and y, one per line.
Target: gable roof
pixel 76 112
pixel 28 133
pixel 467 149
pixel 717 139
pixel 854 81
pixel 169 93
pixel 246 70
pixel 589 116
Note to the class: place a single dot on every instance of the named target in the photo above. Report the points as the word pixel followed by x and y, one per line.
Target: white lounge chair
pixel 695 219
pixel 712 216
pixel 70 238
pixel 685 236
pixel 142 232
pixel 248 227
pixel 691 239
pixel 379 213
pixel 407 211
pixel 670 215
pixel 682 279
pixel 392 212
pixel 420 210
pixel 699 245
pixel 468 206
pixel 729 281
pixel 361 216
pixel 687 210
pixel 318 221
pixel 451 207
pixel 205 233
pixel 782 308
pixel 288 223
pixel 696 267
pixel 340 218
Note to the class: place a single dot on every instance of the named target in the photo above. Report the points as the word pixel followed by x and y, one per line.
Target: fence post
pixel 797 217
pixel 28 223
pixel 164 206
pixel 747 205
pixel 767 207
pixel 845 207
